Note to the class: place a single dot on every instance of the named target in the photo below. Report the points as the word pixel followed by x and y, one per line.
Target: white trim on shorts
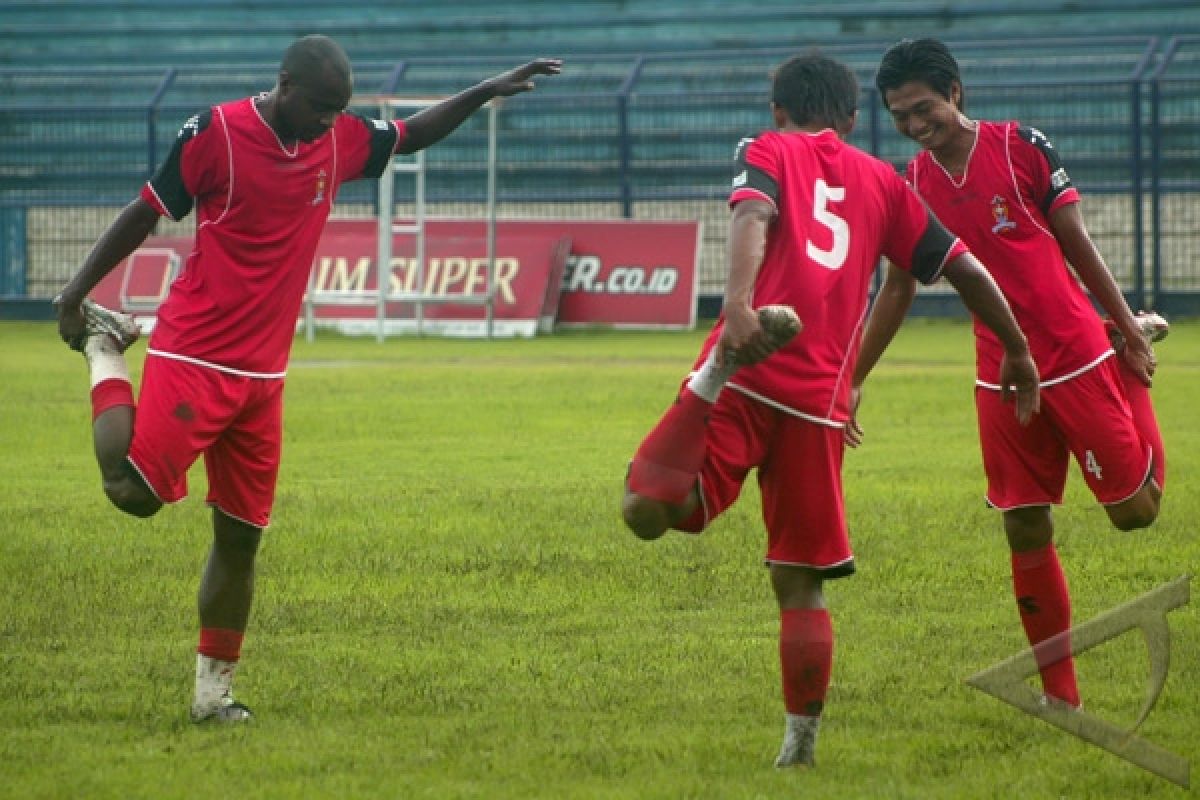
pixel 218 367
pixel 1149 474
pixel 217 506
pixel 150 486
pixel 785 409
pixel 995 387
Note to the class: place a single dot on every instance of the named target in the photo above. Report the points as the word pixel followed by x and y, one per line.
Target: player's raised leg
pixel 224 600
pixel 1143 509
pixel 660 488
pixel 105 337
pixel 1043 598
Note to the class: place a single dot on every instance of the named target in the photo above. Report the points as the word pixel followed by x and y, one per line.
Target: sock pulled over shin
pixel 216 663
pixel 108 374
pixel 806 658
pixel 1045 607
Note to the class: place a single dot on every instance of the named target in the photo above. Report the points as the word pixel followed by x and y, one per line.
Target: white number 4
pixel 1092 466
pixel 835 257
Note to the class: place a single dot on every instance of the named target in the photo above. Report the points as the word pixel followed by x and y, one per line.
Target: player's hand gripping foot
pixel 96 321
pixel 778 324
pixel 101 321
pixel 1139 356
pixel 1153 327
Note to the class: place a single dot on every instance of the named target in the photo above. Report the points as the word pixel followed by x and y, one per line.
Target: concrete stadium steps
pixel 685 112
pixel 1026 61
pixel 170 32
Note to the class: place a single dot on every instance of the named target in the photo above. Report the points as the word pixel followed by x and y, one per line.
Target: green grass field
pixel 450 607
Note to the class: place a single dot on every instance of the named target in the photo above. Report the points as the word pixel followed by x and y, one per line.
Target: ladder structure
pixel 388 227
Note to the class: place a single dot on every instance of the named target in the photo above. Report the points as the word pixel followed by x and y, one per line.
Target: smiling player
pixel 1003 188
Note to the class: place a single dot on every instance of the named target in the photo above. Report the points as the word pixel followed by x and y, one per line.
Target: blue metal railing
pixel 637 92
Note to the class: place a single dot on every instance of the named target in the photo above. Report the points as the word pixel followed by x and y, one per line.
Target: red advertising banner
pixel 626 273
pixel 621 273
pixel 528 271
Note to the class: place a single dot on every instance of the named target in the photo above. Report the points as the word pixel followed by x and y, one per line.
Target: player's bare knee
pixel 797 587
pixel 1029 528
pixel 648 519
pixel 132 497
pixel 1139 511
pixel 1135 518
pixel 235 540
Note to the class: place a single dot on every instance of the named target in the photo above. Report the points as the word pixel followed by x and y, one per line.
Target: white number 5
pixel 835 257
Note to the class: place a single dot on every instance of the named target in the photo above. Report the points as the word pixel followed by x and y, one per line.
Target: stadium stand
pixel 642 124
pixel 63 32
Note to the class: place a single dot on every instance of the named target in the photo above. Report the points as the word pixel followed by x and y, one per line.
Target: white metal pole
pixel 419 221
pixel 383 249
pixel 490 300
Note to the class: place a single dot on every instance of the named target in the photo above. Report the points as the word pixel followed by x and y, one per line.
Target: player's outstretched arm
pixel 891 306
pixel 1083 255
pixel 432 124
pixel 126 234
pixel 979 292
pixel 742 335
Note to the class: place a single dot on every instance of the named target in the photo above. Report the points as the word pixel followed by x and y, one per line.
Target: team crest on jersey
pixel 322 182
pixel 1000 214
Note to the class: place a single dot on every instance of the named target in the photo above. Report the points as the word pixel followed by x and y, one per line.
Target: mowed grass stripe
pixel 449 606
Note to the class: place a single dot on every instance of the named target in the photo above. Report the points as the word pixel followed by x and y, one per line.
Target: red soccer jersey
pixel 839 211
pixel 1001 206
pixel 260 209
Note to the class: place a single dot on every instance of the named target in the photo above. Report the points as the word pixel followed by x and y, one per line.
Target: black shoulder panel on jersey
pixel 749 176
pixel 195 125
pixel 929 256
pixel 739 152
pixel 383 144
pixel 168 181
pixel 1059 180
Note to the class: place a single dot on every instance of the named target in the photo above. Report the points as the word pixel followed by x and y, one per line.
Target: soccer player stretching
pixel 811 218
pixel 1003 189
pixel 262 173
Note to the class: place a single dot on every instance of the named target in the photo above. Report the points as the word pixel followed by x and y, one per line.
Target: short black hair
pixel 310 57
pixel 813 87
pixel 926 60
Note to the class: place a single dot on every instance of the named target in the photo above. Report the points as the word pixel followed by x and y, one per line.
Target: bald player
pixel 261 173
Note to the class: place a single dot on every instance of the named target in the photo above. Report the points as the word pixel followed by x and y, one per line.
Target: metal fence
pixel 636 136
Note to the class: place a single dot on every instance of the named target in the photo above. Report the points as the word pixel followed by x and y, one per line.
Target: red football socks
pixel 806 656
pixel 223 644
pixel 1045 607
pixel 110 393
pixel 670 457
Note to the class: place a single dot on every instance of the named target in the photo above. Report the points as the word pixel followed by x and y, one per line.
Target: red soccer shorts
pixel 1086 416
pixel 235 421
pixel 799 475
